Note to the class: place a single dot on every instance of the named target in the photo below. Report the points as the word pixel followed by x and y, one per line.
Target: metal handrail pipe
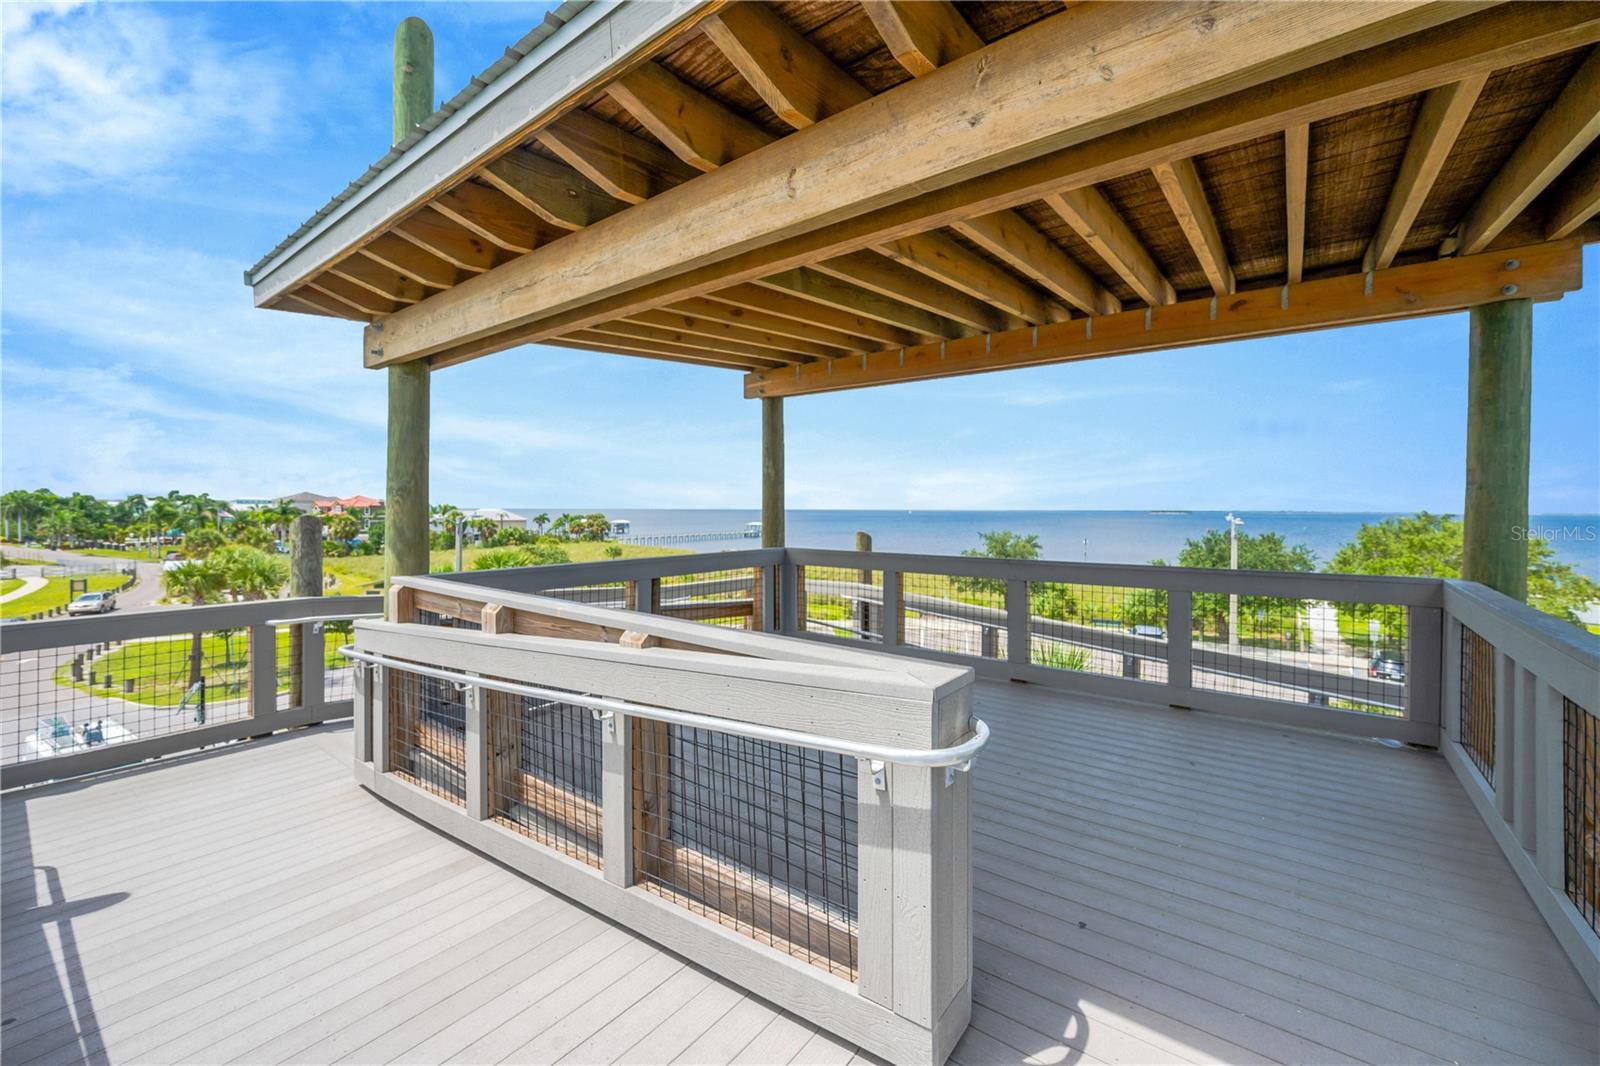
pixel 959 755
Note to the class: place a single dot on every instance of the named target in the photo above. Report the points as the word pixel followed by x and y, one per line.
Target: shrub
pixel 613 551
pixel 500 559
pixel 1060 656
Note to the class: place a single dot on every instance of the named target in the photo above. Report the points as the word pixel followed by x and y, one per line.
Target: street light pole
pixel 461 521
pixel 1233 564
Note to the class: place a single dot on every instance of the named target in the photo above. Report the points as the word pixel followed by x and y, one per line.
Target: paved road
pixel 142 596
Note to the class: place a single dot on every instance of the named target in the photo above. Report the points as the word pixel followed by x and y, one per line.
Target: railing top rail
pixel 936 676
pixel 957 755
pixel 1564 655
pixel 132 625
pixel 319 618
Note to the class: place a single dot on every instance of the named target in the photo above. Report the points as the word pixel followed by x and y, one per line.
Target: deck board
pixel 1168 887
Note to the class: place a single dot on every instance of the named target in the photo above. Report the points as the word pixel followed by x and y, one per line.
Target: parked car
pixel 55 736
pixel 1153 632
pixel 93 603
pixel 1387 667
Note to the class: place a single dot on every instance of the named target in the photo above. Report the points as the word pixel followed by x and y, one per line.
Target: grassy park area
pixel 159 668
pixel 357 575
pixel 56 592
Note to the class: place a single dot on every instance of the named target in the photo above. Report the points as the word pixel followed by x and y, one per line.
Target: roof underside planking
pixel 835 194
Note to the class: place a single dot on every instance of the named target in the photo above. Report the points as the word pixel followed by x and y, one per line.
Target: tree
pixel 540 520
pixel 252 530
pixel 249 573
pixel 1430 545
pixel 342 525
pixel 1260 616
pixel 201 542
pixel 997 544
pixel 198 581
pixel 1145 607
pixel 282 515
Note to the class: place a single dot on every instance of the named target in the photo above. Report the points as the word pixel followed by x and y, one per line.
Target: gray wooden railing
pixel 125 678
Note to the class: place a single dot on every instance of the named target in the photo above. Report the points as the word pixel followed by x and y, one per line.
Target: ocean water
pixel 1090 536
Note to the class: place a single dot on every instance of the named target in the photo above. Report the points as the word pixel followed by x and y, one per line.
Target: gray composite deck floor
pixel 1151 886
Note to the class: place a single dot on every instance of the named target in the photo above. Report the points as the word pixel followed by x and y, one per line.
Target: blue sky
pixel 151 153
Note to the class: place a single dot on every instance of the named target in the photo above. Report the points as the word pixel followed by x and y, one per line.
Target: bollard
pixel 1130 666
pixel 108 679
pixel 991 643
pixel 77 668
pixel 127 684
pixel 93 678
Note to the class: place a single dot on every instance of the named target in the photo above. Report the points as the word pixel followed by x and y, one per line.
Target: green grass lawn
pixel 356 575
pixel 9 583
pixel 56 592
pixel 160 669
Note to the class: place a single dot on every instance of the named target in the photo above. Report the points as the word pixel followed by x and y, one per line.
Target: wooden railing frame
pixel 265 715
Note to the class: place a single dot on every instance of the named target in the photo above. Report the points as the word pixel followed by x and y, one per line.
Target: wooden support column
pixel 772 534
pixel 1499 386
pixel 405 522
pixel 305 579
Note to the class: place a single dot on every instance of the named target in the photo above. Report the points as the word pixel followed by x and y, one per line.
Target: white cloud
pixel 111 93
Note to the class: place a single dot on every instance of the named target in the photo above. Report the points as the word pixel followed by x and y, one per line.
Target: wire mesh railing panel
pixel 1580 791
pixel 544 772
pixel 611 594
pixel 339 673
pixel 1098 629
pixel 447 621
pixel 758 836
pixel 1342 654
pixel 427 733
pixel 955 614
pixel 74 699
pixel 729 598
pixel 839 602
pixel 1476 723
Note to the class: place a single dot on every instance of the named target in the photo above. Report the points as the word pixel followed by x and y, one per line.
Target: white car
pixel 55 736
pixel 93 603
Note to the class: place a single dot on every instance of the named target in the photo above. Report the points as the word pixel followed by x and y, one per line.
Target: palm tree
pixel 250 573
pixel 540 520
pixel 281 515
pixel 199 581
pixel 55 525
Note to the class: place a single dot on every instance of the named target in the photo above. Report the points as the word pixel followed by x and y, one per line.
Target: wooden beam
pixel 1093 218
pixel 878 274
pixel 1543 271
pixel 966 271
pixel 1186 194
pixel 622 164
pixel 1575 200
pixel 718 328
pixel 801 84
pixel 550 189
pixel 382 280
pixel 433 232
pixel 358 297
pixel 416 263
pixel 808 313
pixel 321 303
pixel 493 216
pixel 814 286
pixel 1566 128
pixel 593 340
pixel 1439 121
pixel 818 340
pixel 923 35
pixel 698 129
pixel 684 248
pixel 1296 177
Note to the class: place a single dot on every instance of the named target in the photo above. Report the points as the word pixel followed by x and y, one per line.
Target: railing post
pixel 361 711
pixel 894 610
pixel 1523 756
pixel 1425 665
pixel 382 749
pixel 789 600
pixel 313 674
pixel 1018 642
pixel 476 755
pixel 1549 738
pixel 263 671
pixel 1505 755
pixel 1450 688
pixel 875 894
pixel 1180 646
pixel 616 798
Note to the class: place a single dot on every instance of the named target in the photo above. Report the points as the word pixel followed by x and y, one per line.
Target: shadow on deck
pixel 1150 886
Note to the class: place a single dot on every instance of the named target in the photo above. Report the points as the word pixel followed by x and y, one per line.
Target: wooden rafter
pixel 382 280
pixel 794 78
pixel 667 334
pixel 787 304
pixel 1009 237
pixel 605 345
pixel 1296 179
pixel 1575 200
pixel 550 189
pixel 356 297
pixel 491 215
pixel 820 288
pixel 1186 195
pixel 923 35
pixel 1093 218
pixel 1542 271
pixel 622 164
pixel 966 271
pixel 1566 128
pixel 414 262
pixel 571 283
pixel 611 338
pixel 718 328
pixel 699 130
pixel 321 303
pixel 756 318
pixel 433 232
pixel 1439 122
pixel 887 278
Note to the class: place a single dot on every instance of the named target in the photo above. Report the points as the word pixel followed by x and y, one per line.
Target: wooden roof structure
pixel 830 193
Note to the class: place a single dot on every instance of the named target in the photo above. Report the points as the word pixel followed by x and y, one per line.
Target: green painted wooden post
pixel 305 579
pixel 1499 387
pixel 405 523
pixel 772 471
